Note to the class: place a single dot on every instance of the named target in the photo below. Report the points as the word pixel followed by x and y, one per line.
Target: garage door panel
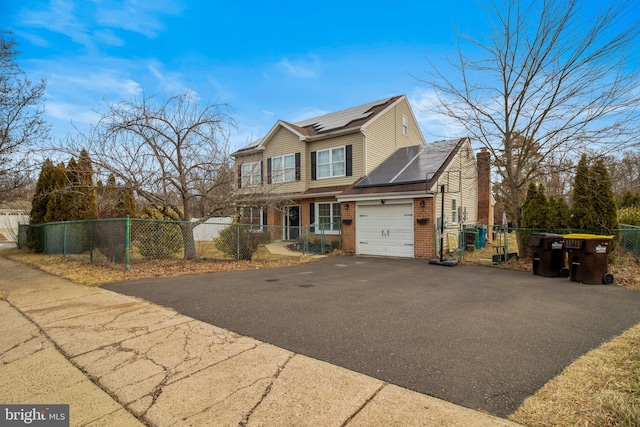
pixel 385 230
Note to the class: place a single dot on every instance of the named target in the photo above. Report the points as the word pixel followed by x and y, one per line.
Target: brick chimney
pixel 484 187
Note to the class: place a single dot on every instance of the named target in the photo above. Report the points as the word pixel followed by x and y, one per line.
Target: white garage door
pixel 385 230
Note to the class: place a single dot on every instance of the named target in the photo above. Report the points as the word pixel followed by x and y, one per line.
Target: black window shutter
pixel 313 165
pixel 349 158
pixel 264 216
pixel 239 176
pixel 261 174
pixel 269 170
pixel 297 166
pixel 312 217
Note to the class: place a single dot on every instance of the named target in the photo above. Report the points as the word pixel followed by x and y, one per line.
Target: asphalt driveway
pixel 481 337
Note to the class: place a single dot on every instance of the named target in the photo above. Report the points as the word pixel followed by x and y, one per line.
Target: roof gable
pixel 418 163
pixel 348 120
pixel 353 117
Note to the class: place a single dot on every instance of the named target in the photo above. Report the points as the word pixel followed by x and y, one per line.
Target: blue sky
pixel 268 60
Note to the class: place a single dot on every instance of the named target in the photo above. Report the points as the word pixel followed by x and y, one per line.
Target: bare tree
pixel 548 83
pixel 172 152
pixel 21 122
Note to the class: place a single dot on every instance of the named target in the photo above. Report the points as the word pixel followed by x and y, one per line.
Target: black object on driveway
pixel 482 337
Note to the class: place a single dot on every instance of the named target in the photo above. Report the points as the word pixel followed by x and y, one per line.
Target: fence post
pixel 91 224
pixel 237 242
pixel 64 239
pixel 127 242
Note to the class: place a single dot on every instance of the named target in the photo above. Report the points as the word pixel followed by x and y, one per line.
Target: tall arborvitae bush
pixel 84 189
pixel 605 200
pixel 535 215
pixel 583 211
pixel 57 203
pixel 594 204
pixel 559 214
pixel 44 187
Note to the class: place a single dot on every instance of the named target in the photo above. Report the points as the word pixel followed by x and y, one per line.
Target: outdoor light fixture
pixel 382 201
pixel 422 203
pixel 346 206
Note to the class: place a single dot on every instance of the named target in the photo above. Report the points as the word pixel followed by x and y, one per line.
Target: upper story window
pixel 283 168
pixel 251 174
pixel 405 125
pixel 331 163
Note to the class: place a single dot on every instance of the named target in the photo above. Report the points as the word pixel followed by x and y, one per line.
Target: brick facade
pixel 423 234
pixel 484 187
pixel 348 212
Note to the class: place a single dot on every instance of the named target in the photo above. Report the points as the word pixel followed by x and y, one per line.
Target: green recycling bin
pixel 588 258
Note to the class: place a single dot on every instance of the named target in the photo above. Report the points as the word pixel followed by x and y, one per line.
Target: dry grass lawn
pixel 80 271
pixel 602 388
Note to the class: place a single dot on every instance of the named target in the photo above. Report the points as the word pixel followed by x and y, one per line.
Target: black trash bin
pixel 547 252
pixel 588 258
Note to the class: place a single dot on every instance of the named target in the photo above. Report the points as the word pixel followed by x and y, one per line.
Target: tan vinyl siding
pixel 282 143
pixel 355 140
pixel 470 183
pixel 384 134
pixel 251 158
pixel 464 190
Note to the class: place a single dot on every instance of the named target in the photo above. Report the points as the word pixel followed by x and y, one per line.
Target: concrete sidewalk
pixel 118 360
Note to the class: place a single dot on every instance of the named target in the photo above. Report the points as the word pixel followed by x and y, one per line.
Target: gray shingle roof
pixel 417 163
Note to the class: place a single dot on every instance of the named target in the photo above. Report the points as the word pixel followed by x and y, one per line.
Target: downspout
pixel 364 152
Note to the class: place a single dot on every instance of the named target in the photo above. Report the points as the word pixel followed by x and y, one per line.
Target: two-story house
pixel 291 176
pixel 357 172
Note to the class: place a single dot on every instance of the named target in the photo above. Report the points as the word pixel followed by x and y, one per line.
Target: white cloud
pixel 72 112
pixel 90 23
pixel 136 16
pixel 60 17
pixel 103 82
pixel 170 82
pixel 434 126
pixel 300 68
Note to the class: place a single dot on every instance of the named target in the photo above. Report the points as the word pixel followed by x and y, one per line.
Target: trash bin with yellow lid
pixel 588 258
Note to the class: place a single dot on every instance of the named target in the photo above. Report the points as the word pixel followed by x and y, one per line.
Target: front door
pixel 292 222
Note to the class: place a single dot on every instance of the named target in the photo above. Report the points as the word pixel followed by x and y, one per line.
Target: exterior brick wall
pixel 484 186
pixel 348 211
pixel 423 234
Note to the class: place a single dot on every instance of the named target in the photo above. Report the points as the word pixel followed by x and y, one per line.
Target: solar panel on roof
pixel 410 164
pixel 341 118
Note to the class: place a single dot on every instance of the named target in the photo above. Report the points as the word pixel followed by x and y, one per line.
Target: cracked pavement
pixel 63 343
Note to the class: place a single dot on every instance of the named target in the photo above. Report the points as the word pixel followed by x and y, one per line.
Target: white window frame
pixel 454 211
pixel 405 125
pixel 331 163
pixel 250 211
pixel 251 174
pixel 279 174
pixel 334 220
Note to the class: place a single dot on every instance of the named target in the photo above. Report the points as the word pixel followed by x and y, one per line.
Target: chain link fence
pixel 131 240
pixel 630 240
pixel 495 244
